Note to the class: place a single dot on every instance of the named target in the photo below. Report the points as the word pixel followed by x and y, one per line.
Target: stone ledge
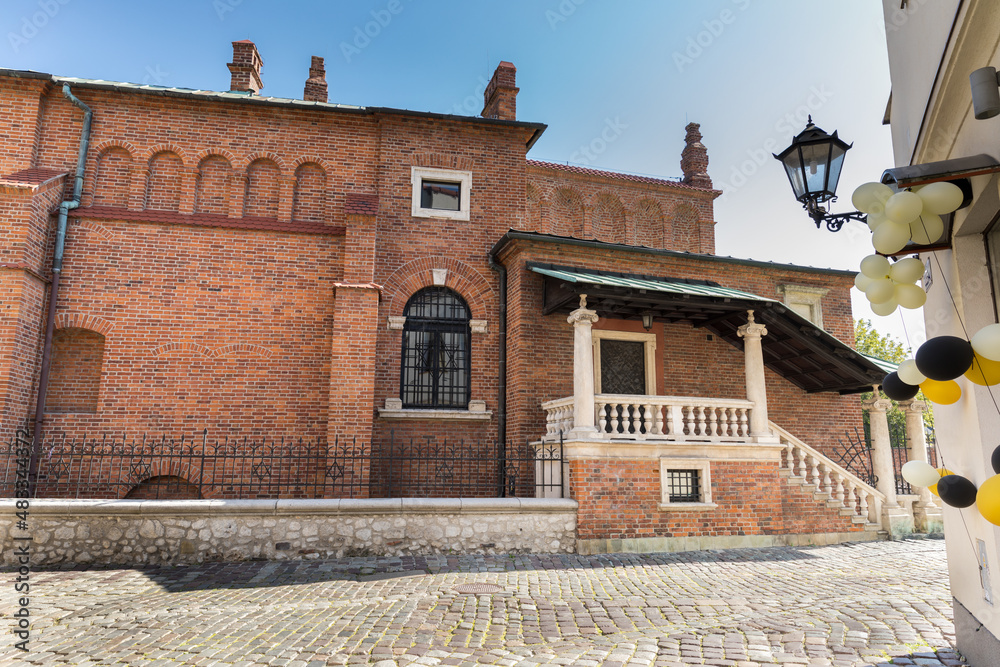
pixel 688 506
pixel 299 507
pixel 436 415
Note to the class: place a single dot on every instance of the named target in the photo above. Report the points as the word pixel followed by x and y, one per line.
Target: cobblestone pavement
pixel 862 604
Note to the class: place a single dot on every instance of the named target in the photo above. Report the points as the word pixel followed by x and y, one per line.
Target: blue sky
pixel 633 70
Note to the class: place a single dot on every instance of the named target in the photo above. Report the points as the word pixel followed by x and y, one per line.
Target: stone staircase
pixel 830 484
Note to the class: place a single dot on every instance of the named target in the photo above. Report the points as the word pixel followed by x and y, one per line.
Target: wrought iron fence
pixel 186 467
pixel 856 455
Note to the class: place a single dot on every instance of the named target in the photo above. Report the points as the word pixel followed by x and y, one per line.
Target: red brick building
pixel 261 266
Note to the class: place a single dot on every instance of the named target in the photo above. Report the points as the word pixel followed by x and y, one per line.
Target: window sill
pixel 436 415
pixel 666 507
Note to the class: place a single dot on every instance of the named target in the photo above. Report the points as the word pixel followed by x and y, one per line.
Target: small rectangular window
pixel 440 195
pixel 684 486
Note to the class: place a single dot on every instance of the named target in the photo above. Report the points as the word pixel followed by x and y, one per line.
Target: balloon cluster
pixel 959 491
pixel 895 219
pixel 888 286
pixel 942 359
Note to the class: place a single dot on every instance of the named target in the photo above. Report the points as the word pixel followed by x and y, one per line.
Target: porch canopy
pixel 795 348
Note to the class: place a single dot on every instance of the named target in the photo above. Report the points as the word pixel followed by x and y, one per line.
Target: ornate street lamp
pixel 813 163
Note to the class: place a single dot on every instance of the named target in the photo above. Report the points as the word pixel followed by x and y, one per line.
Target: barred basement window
pixel 684 486
pixel 436 366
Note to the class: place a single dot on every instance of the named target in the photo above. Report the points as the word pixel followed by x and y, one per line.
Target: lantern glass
pixel 813 163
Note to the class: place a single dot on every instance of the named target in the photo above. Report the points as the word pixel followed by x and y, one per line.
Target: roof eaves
pixel 513 235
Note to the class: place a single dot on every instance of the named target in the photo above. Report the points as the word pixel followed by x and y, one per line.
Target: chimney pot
pixel 694 159
pixel 245 68
pixel 500 96
pixel 315 90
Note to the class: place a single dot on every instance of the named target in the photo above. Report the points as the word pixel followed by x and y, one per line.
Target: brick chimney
pixel 315 90
pixel 694 159
pixel 246 68
pixel 500 96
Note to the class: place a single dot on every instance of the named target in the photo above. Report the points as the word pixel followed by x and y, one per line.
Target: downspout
pixel 57 261
pixel 502 393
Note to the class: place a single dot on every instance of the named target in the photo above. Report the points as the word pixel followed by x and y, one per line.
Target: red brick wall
pixel 75 378
pixel 617 210
pixel 620 499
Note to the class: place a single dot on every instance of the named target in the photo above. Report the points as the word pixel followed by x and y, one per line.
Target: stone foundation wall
pixel 132 532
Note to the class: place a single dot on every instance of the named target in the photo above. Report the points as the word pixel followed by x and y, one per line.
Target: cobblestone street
pixel 862 604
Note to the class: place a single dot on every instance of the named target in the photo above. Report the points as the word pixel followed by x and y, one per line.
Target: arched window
pixel 436 340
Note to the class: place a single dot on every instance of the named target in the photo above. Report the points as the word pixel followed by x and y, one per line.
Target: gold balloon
pixel 988 500
pixel 983 371
pixel 942 393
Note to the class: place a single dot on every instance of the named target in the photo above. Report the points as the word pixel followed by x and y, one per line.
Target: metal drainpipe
pixel 502 398
pixel 57 261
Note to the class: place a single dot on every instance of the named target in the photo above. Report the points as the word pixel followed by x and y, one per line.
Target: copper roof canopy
pixel 795 348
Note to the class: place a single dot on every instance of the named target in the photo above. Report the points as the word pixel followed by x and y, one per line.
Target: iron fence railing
pixel 146 468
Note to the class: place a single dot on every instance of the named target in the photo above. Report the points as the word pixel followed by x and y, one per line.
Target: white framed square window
pixel 441 193
pixel 686 484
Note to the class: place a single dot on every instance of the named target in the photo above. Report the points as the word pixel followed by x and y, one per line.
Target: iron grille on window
pixel 436 364
pixel 685 486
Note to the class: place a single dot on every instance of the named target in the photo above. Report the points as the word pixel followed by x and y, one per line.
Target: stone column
pixel 753 354
pixel 895 519
pixel 583 320
pixel 927 516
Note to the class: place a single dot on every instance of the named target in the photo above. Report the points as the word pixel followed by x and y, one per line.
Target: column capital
pixel 751 329
pixel 877 402
pixel 582 314
pixel 913 405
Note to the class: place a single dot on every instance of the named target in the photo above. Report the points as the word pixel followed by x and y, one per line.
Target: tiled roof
pixel 615 174
pixel 206 220
pixel 360 204
pixel 32 176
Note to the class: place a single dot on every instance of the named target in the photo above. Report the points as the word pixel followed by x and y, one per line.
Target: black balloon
pixel 898 390
pixel 995 460
pixel 956 491
pixel 944 358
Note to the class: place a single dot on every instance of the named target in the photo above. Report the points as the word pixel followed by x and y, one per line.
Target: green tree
pixel 870 341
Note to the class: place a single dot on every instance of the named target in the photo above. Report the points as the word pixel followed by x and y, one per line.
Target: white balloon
pixel 881 290
pixel 910 296
pixel 890 237
pixel 908 270
pixel 874 220
pixel 986 342
pixel 885 309
pixel 861 281
pixel 875 266
pixel 871 197
pixel 904 207
pixel 926 229
pixel 920 473
pixel 941 197
pixel 909 373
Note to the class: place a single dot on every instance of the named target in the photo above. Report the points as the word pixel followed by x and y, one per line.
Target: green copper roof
pixel 651 284
pixel 887 366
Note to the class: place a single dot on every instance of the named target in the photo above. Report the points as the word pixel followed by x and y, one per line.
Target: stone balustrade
pixel 657 417
pixel 802 464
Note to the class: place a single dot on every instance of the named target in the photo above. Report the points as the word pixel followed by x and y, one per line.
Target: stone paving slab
pixel 874 603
